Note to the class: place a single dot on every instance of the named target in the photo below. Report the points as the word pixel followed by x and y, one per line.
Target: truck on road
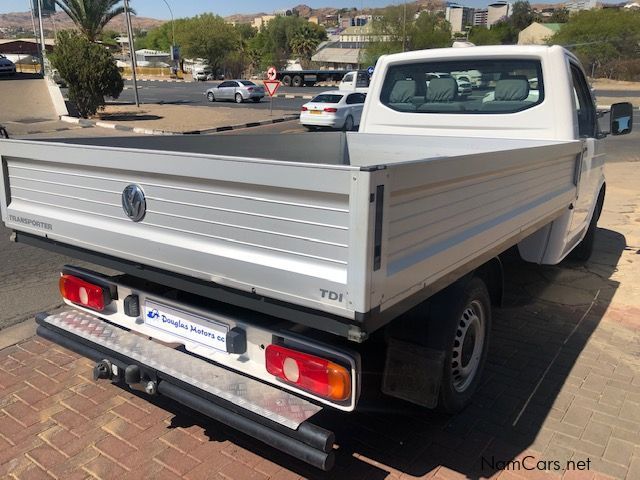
pixel 301 78
pixel 261 280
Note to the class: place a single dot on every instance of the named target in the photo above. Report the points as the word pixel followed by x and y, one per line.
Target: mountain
pixel 18 22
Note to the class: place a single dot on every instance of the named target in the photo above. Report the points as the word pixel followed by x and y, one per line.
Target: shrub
pixel 88 69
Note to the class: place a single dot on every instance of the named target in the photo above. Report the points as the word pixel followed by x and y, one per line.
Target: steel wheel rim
pixel 468 345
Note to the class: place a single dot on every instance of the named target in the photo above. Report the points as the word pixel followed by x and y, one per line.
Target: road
pixel 192 93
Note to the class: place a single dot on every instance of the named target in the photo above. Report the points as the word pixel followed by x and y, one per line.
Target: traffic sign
pixel 272 73
pixel 271 86
pixel 370 70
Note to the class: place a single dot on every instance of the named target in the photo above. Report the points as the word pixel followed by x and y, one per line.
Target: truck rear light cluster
pixel 83 293
pixel 309 372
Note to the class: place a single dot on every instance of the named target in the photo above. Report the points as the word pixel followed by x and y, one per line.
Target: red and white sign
pixel 272 73
pixel 271 86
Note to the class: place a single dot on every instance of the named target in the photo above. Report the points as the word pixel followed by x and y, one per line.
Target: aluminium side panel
pixel 444 214
pixel 281 230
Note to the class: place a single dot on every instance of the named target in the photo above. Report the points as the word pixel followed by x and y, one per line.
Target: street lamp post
pixel 132 51
pixel 173 37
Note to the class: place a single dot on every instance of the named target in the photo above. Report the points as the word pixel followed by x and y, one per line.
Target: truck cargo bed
pixel 350 226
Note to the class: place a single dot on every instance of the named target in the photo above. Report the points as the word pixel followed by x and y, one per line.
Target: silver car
pixel 236 90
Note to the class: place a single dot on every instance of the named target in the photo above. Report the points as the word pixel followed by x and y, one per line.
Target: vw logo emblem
pixel 134 203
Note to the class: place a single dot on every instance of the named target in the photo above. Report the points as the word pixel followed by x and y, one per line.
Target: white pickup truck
pixel 259 277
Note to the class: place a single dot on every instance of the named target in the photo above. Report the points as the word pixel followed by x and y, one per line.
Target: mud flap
pixel 413 373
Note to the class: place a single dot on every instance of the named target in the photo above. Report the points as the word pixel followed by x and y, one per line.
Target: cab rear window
pixel 463 87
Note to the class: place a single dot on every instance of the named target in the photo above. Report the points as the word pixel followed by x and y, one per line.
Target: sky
pixel 187 8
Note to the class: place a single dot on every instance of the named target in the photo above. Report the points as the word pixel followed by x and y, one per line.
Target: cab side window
pixel 586 109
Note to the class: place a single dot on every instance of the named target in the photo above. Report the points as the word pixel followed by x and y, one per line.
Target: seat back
pixel 441 96
pixel 402 95
pixel 510 95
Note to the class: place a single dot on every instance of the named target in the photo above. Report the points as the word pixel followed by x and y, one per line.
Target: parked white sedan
pixel 335 109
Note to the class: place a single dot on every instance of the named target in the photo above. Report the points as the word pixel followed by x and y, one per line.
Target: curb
pixel 147 131
pixel 291 95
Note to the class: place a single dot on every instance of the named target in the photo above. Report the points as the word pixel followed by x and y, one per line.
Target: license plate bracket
pixel 184 325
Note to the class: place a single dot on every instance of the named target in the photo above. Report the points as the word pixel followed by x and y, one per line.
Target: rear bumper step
pixel 264 412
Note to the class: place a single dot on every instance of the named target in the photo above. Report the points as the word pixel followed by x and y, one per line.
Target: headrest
pixel 442 90
pixel 402 91
pixel 512 89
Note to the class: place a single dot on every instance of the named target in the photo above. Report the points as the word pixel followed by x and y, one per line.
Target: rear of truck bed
pixel 345 231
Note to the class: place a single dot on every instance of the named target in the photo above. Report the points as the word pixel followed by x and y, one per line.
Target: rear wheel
pixel 348 124
pixel 239 98
pixel 309 128
pixel 286 80
pixel 463 312
pixel 297 81
pixel 211 97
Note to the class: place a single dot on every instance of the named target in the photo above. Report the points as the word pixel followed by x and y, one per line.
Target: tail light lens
pixel 304 109
pixel 308 372
pixel 83 293
pixel 250 89
pixel 331 110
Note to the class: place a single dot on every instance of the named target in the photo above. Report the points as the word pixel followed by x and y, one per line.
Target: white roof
pixel 337 55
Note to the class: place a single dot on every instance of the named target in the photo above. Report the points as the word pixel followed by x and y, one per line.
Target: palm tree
pixel 304 43
pixel 91 16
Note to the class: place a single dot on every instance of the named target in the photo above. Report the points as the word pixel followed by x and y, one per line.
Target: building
pixel 259 22
pixel 459 17
pixel 578 5
pixel 152 58
pixel 347 51
pixel 480 17
pixel 497 11
pixel 24 46
pixel 538 33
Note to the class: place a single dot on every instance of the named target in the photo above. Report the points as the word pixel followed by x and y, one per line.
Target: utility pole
pixel 42 43
pixel 404 25
pixel 173 38
pixel 132 50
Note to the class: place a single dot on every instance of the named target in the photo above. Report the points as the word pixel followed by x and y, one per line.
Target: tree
pixel 88 69
pixel 606 41
pixel 398 29
pixel 91 16
pixel 210 37
pixel 559 15
pixel 282 36
pixel 522 15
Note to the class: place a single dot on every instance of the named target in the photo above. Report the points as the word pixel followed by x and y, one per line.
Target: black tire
pixel 286 80
pixel 211 97
pixel 348 124
pixel 582 252
pixel 239 98
pixel 256 99
pixel 461 318
pixel 297 81
pixel 309 128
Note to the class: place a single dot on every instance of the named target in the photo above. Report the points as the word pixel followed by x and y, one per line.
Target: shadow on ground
pixel 536 342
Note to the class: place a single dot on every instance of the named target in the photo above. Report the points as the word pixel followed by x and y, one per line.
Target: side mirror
pixel 621 118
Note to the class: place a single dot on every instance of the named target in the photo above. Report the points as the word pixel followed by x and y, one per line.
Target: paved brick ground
pixel 578 367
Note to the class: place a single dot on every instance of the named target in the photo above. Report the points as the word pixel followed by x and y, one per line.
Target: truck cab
pixel 355 81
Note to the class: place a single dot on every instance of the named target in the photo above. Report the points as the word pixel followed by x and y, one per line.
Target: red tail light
pixel 308 372
pixel 304 109
pixel 250 89
pixel 83 293
pixel 331 110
